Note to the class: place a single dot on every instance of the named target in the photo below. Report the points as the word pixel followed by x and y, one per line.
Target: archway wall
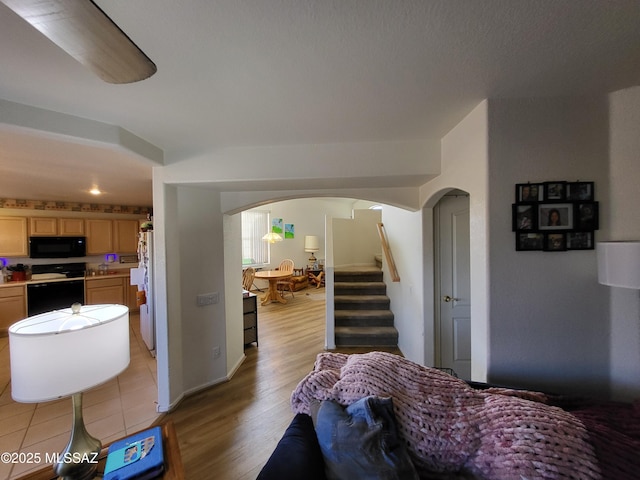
pixel 465 166
pixel 193 200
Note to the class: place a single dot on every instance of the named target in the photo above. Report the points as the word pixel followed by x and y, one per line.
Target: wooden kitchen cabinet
pixel 125 235
pixel 105 290
pixel 13 307
pixel 13 237
pixel 111 236
pixel 51 226
pixel 72 227
pixel 99 234
pixel 43 226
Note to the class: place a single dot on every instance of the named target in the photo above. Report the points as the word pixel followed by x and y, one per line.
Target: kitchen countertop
pixel 115 273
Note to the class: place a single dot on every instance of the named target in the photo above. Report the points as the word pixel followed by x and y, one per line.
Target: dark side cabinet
pixel 250 318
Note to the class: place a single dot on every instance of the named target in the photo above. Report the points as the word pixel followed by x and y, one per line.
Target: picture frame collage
pixel 555 216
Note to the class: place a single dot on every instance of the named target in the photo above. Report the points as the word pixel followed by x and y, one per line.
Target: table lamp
pixel 63 353
pixel 311 245
pixel 619 264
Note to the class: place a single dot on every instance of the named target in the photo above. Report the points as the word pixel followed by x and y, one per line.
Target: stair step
pixel 371 274
pixel 364 318
pixel 361 302
pixel 360 288
pixel 366 336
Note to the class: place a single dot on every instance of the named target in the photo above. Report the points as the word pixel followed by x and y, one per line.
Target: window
pixel 255 224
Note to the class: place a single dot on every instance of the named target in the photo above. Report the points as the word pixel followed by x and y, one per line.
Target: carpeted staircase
pixel 362 314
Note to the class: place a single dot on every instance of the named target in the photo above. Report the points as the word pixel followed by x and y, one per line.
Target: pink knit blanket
pixel 453 429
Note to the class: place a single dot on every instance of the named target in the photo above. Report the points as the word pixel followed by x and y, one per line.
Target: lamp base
pixel 79 460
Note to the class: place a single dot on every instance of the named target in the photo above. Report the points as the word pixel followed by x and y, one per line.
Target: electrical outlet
pixel 216 352
pixel 207 299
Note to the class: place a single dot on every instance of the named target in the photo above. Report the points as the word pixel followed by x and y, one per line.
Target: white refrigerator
pixel 142 276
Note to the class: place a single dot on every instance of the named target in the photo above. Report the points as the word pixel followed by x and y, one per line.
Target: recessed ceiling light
pixel 95 191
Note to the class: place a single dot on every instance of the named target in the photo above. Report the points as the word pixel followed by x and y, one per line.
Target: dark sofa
pixel 612 430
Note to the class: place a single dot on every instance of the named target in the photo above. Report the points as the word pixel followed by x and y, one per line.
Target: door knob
pixel 448 298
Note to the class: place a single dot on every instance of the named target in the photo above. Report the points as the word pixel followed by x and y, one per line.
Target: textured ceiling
pixel 273 72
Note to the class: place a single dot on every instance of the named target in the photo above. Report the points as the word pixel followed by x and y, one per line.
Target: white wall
pixel 404 233
pixel 624 223
pixel 234 323
pixel 202 270
pixel 548 325
pixel 464 166
pixel 355 240
pixel 166 280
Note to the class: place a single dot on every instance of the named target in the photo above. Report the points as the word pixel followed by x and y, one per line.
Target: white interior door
pixel 453 328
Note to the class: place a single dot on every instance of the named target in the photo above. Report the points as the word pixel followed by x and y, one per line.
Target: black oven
pixel 55 286
pixel 57 247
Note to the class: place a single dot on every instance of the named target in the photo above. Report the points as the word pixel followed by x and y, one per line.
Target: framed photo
pixel 555 242
pixel 554 191
pixel 524 217
pixel 555 216
pixel 529 241
pixel 580 191
pixel 529 192
pixel 580 241
pixel 587 216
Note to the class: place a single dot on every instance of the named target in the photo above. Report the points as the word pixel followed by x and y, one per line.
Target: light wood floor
pixel 229 431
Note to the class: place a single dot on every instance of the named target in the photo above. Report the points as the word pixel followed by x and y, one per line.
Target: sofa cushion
pixel 361 441
pixel 297 455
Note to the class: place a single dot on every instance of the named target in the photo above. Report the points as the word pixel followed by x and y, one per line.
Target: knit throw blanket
pixel 453 430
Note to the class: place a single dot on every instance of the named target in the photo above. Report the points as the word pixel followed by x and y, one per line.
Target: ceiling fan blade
pixel 86 33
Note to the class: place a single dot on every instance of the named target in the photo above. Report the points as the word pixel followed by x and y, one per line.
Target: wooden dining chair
pixel 286 265
pixel 248 275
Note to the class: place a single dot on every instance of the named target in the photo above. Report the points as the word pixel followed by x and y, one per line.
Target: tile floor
pixel 113 410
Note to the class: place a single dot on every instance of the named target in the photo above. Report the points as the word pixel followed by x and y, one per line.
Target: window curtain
pixel 255 251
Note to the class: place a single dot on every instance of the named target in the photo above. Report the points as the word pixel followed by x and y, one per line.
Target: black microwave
pixel 57 247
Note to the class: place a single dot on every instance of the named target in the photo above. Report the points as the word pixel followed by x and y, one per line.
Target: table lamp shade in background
pixel 311 243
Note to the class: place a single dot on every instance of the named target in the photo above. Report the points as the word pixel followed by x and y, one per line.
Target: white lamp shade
pixel 59 353
pixel 619 264
pixel 272 237
pixel 311 243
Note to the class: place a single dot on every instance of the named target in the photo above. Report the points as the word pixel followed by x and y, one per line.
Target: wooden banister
pixel 395 277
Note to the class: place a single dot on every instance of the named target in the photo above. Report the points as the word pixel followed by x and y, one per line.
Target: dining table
pixel 273 295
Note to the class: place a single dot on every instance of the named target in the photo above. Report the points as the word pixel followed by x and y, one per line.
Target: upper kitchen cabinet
pixel 13 237
pixel 99 234
pixel 125 234
pixel 48 226
pixel 111 236
pixel 43 226
pixel 73 227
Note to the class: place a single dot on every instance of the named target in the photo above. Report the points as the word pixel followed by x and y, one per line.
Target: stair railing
pixel 395 277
